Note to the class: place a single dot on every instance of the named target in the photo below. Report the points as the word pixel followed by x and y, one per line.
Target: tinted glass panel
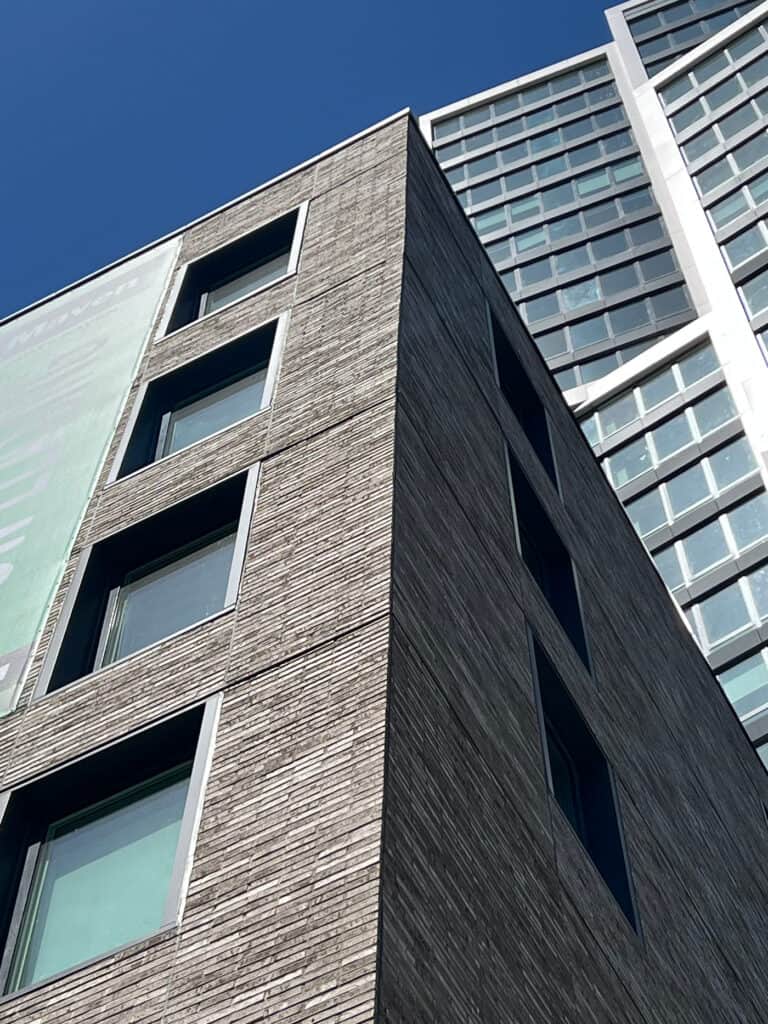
pixel 214 412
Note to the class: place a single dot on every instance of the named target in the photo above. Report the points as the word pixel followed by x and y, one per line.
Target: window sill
pixel 164 934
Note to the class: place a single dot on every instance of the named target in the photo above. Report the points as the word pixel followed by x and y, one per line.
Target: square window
pixel 661 264
pixel 599 214
pixel 447 127
pixel 750 152
pixel 565 227
pixel 547 558
pixel 669 303
pixel 165 573
pixel 560 195
pixel 640 199
pixel 623 279
pixel 551 344
pixel 687 116
pixel 571 259
pixel 541 308
pixel 713 411
pixel 522 398
pixel 658 389
pixel 534 273
pixel 672 436
pixel 647 513
pixel 597 368
pixel 705 548
pixel 732 462
pixel 728 209
pixel 756 72
pixel 580 780
pixel 456 175
pixel 518 179
pixel 700 145
pixel 618 413
pixel 629 462
pixel 724 614
pixel 609 245
pixel 749 521
pixel 755 292
pixel 687 489
pixel 629 317
pixel 698 364
pixel 93 854
pixel 588 332
pixel 203 397
pixel 737 121
pixel 588 184
pixel 239 268
pixel 582 294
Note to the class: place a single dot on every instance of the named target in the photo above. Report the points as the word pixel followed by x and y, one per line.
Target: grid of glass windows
pixel 599 287
pixel 692 424
pixel 629 406
pixel 624 319
pixel 594 369
pixel 524 148
pixel 705 70
pixel 687 36
pixel 694 485
pixel 754 292
pixel 746 686
pixel 722 131
pixel 730 611
pixel 748 197
pixel 746 244
pixel 718 541
pixel 538 171
pixel 576 79
pixel 555 232
pixel 740 159
pixel 549 199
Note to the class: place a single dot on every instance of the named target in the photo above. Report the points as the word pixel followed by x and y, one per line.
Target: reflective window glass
pixel 629 317
pixel 492 220
pixel 726 210
pixel 648 231
pixel 571 105
pixel 647 513
pixel 539 309
pixel 566 379
pixel 687 489
pixel 749 521
pixel 597 368
pixel 700 145
pixel 755 72
pixel 755 293
pixel 623 279
pixel 512 153
pixel 669 302
pixel 539 117
pixel 456 176
pixel 566 227
pixel 750 152
pixel 532 273
pixel 641 199
pixel 213 412
pixel 687 116
pixel 565 82
pixel 507 104
pixel 704 548
pixel 447 127
pixel 473 142
pixel 584 154
pixel 629 462
pixel 577 295
pixel 723 614
pixel 675 89
pixel 616 142
pixel 758 584
pixel 609 245
pixel 744 44
pixel 576 129
pixel 482 166
pixel 605 118
pixel 656 390
pixel 746 685
pixel 246 283
pixel 732 463
pixel 476 116
pixel 490 190
pixel 588 332
pixel 552 343
pixel 737 121
pixel 522 209
pixel 499 251
pixel 558 196
pixel 530 239
pixel 595 182
pixel 698 364
pixel 714 410
pixel 727 90
pixel 618 414
pixel 518 179
pixel 548 168
pixel 627 170
pixel 571 259
pixel 668 565
pixel 672 436
pixel 659 265
pixel 710 67
pixel 589 429
pixel 509 129
pixel 713 176
pixel 601 213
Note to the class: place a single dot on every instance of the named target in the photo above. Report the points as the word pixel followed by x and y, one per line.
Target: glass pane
pixel 733 462
pixel 750 152
pixel 571 259
pixel 726 210
pixel 551 344
pixel 169 598
pixel 476 116
pixel 456 175
pixel 618 414
pixel 614 282
pixel 518 179
pixel 588 332
pixel 585 154
pixel 713 411
pixel 594 182
pixel 639 200
pixel 687 489
pixel 647 513
pixel 532 273
pixel 548 168
pixel 597 368
pixel 669 302
pixel 609 245
pixel 727 90
pixel 481 166
pixel 698 365
pixel 648 231
pixel 589 428
pixel 744 245
pixel 478 141
pixel 541 308
pixel 530 239
pixel 700 145
pixel 755 72
pixel 746 685
pixel 564 779
pixel 672 436
pixel 687 116
pixel 541 143
pixel 214 412
pixel 668 565
pixel 629 462
pixel 493 220
pixel 676 89
pixel 102 880
pixel 705 548
pixel 512 153
pixel 658 389
pixel 749 522
pixel 490 190
pixel 724 614
pixel 756 293
pixel 758 584
pixel 629 317
pixel 558 196
pixel 600 214
pixel 737 121
pixel 713 176
pixel 247 283
pixel 566 379
pixel 742 45
pixel 524 208
pixel 566 227
pixel 762 753
pixel 581 294
pixel 627 170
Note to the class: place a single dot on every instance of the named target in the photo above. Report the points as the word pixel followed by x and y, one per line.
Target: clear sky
pixel 121 120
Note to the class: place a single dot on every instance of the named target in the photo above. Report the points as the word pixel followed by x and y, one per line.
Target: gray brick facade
pixel 377 841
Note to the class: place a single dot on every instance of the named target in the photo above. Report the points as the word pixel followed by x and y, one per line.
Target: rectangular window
pixel 547 558
pixel 239 268
pixel 522 397
pixel 93 856
pixel 580 779
pixel 746 684
pixel 164 574
pixel 202 397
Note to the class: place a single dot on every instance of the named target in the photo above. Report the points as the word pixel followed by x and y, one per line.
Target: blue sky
pixel 123 120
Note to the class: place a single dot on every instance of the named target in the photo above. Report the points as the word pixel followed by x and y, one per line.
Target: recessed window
pixel 580 780
pixel 522 397
pixel 244 266
pixel 547 558
pixel 202 397
pixel 162 575
pixel 93 856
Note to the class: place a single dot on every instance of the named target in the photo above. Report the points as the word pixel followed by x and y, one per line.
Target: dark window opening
pixel 235 270
pixel 522 398
pixel 581 781
pixel 548 559
pixel 200 398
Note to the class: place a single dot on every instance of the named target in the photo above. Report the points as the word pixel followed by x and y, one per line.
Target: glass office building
pixel 648 293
